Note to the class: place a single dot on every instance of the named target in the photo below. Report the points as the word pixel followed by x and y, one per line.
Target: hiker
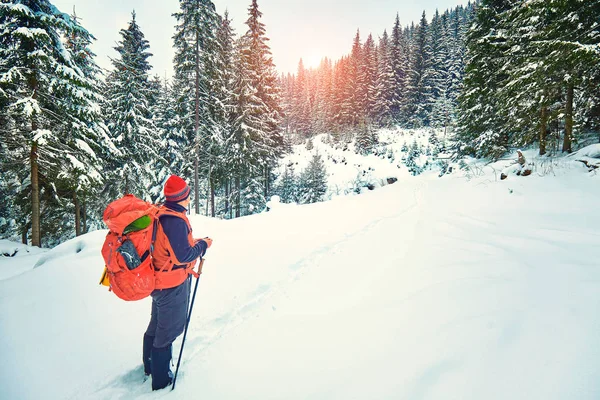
pixel 521 158
pixel 518 167
pixel 174 246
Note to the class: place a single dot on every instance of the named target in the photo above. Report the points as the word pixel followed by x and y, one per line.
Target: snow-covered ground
pixel 460 287
pixel 16 258
pixel 349 172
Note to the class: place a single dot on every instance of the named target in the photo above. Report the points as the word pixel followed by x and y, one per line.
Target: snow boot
pixel 147 353
pixel 161 373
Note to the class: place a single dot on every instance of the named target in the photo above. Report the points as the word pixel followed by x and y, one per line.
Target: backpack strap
pixel 164 211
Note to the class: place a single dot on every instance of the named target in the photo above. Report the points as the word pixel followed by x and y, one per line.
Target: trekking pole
pixel 187 323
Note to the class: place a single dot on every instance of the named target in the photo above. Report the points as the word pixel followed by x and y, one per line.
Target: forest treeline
pixel 494 74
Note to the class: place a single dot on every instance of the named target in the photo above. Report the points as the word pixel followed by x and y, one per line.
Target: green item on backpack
pixel 137 225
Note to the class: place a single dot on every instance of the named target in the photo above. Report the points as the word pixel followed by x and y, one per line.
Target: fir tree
pixel 481 130
pixel 49 102
pixel 368 78
pixel 195 64
pixel 258 106
pixel 420 78
pixel 366 139
pixel 288 186
pixel 351 108
pixel 313 181
pixel 322 108
pixel 399 65
pixel 302 106
pixel 440 101
pixel 384 86
pixel 128 96
pixel 412 157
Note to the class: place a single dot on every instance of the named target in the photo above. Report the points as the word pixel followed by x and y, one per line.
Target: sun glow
pixel 312 61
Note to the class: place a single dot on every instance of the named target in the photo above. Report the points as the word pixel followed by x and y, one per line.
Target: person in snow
pixel 174 255
pixel 518 167
pixel 521 158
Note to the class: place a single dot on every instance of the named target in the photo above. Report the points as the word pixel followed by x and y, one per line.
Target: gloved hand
pixel 206 240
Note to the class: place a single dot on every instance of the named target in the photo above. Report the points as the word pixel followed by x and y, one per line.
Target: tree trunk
pixel 36 232
pixel 568 119
pixel 77 215
pixel 35 196
pixel 24 231
pixel 226 197
pixel 212 200
pixel 209 198
pixel 237 196
pixel 543 129
pixel 84 217
pixel 266 182
pixel 197 125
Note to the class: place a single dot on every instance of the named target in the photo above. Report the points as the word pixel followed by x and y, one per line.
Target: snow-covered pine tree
pixel 368 78
pixel 456 56
pixel 530 60
pixel 322 108
pixel 286 83
pixel 571 35
pixel 196 48
pixel 260 112
pixel 173 145
pixel 49 107
pixel 441 107
pixel 366 138
pixel 399 55
pixel 224 115
pixel 128 96
pixel 384 87
pixel 340 81
pixel 351 109
pixel 313 181
pixel 420 78
pixel 287 189
pixel 480 129
pixel 81 185
pixel 411 159
pixel 302 107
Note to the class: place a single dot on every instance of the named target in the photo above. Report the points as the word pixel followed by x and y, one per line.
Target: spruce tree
pixel 225 113
pixel 384 86
pixel 368 78
pixel 351 108
pixel 420 78
pixel 481 115
pixel 195 64
pixel 259 111
pixel 313 181
pixel 302 107
pixel 440 66
pixel 50 114
pixel 128 98
pixel 288 186
pixel 323 107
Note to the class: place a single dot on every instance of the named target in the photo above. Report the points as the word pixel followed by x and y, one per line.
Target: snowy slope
pixel 430 288
pixel 348 171
pixel 26 257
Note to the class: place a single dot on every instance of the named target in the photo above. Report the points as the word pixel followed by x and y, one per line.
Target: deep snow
pixel 461 287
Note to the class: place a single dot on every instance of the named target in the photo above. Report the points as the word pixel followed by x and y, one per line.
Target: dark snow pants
pixel 169 314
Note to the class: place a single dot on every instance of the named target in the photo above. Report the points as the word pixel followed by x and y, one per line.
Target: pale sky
pixel 307 29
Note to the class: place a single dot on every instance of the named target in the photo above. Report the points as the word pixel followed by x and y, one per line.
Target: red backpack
pixel 127 249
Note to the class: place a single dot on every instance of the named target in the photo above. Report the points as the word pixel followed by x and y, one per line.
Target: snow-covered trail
pixel 490 296
pixel 437 289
